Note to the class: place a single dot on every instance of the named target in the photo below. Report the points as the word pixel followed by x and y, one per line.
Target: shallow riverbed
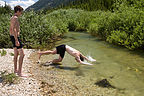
pixel 123 69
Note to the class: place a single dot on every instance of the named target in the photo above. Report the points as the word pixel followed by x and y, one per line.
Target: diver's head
pixel 81 58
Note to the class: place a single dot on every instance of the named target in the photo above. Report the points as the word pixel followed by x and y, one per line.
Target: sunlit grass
pixel 8 78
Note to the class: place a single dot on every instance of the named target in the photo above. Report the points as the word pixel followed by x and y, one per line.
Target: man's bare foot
pixel 48 63
pixel 23 75
pixel 16 71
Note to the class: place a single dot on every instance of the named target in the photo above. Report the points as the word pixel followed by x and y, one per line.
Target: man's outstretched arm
pixel 88 59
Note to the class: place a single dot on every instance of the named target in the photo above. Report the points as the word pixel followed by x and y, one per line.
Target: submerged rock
pixel 104 83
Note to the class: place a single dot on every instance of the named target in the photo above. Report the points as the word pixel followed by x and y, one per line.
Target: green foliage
pixel 11 54
pixel 131 25
pixel 4 10
pixel 99 25
pixel 8 78
pixel 37 30
pixel 73 19
pixel 4 30
pixel 130 3
pixel 90 5
pixel 3 52
pixel 124 26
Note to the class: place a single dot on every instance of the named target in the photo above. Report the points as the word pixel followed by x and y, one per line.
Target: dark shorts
pixel 13 42
pixel 61 50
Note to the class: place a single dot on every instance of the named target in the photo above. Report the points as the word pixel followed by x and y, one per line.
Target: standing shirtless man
pixel 14 36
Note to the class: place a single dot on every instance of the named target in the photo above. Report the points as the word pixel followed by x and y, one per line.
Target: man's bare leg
pixel 15 60
pixel 56 60
pixel 21 62
pixel 46 52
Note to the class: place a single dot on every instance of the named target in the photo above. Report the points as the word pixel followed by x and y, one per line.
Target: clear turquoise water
pixel 124 69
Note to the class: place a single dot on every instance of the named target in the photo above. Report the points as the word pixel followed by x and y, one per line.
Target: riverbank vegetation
pixel 8 78
pixel 122 25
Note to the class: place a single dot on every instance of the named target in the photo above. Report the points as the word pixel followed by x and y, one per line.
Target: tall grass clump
pixel 8 78
pixel 3 52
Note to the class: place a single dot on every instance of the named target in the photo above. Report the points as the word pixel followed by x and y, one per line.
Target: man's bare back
pixel 14 26
pixel 72 51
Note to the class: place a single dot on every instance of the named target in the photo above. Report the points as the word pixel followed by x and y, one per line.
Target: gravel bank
pixel 25 86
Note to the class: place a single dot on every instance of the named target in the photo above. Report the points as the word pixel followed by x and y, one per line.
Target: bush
pixel 124 27
pixel 131 24
pixel 73 19
pixel 4 31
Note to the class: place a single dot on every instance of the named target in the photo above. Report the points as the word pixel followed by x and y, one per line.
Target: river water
pixel 123 69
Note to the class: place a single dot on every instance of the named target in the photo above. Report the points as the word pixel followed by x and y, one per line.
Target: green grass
pixel 11 54
pixel 8 78
pixel 3 52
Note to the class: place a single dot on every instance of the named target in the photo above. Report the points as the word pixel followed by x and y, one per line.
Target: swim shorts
pixel 61 50
pixel 13 42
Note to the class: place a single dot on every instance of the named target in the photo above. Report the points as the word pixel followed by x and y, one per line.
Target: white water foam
pixel 91 59
pixel 86 63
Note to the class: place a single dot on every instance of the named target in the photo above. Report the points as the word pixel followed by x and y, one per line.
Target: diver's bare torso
pixel 72 51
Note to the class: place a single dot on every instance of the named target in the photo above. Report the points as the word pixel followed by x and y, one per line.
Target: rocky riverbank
pixel 54 80
pixel 29 86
